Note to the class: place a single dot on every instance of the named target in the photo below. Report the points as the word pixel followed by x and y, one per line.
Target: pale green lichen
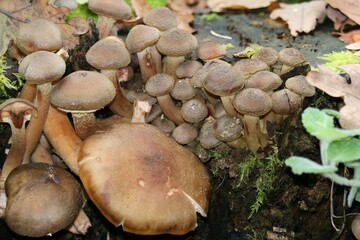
pixel 5 82
pixel 335 60
pixel 210 17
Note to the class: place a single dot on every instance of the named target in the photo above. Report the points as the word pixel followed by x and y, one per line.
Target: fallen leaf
pixel 337 86
pixel 221 5
pixel 350 8
pixel 339 19
pixel 13 14
pixel 301 17
pixel 349 37
pixel 184 14
pixel 141 7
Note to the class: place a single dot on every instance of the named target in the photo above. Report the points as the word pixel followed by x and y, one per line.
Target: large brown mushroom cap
pixel 141 37
pixel 143 180
pixel 117 9
pixel 82 91
pixel 160 17
pixel 42 199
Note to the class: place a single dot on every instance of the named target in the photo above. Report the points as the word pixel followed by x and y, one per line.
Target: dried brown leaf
pixel 221 5
pixel 14 14
pixel 301 17
pixel 141 7
pixel 350 8
pixel 184 14
pixel 349 37
pixel 335 85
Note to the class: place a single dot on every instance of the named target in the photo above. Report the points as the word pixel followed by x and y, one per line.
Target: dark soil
pixel 300 205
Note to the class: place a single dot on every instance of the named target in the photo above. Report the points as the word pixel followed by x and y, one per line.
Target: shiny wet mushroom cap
pixel 157 186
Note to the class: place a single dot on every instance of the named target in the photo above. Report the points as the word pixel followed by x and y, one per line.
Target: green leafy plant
pixel 266 170
pixel 210 17
pixel 337 146
pixel 82 11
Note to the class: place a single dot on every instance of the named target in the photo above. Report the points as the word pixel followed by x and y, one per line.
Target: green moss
pixel 265 170
pixel 335 60
pixel 157 3
pixel 5 82
pixel 82 11
pixel 210 17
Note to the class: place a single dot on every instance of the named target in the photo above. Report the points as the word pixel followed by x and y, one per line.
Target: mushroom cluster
pixel 168 94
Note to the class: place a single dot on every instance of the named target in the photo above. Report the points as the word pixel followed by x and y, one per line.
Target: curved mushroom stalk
pixel 146 182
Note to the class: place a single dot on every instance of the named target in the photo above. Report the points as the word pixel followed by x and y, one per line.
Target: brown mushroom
pixel 210 50
pixel 39 34
pixel 40 68
pixel 164 124
pixel 160 86
pixel 355 226
pixel 141 40
pixel 185 133
pixel 228 128
pixel 108 12
pixel 109 55
pixel 264 80
pixel 289 59
pixel 248 67
pixel 206 136
pixel 145 182
pixel 82 93
pixel 300 85
pixel 194 110
pixel 42 199
pixel 183 90
pixel 161 18
pixel 268 55
pixel 188 68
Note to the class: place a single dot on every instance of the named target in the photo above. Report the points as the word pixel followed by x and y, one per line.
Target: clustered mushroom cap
pixel 264 80
pixel 153 191
pixel 161 18
pixel 228 128
pixel 300 85
pixel 183 90
pixel 206 136
pixel 141 37
pixel 42 67
pixel 117 9
pixel 176 42
pixel 291 57
pixel 188 68
pixel 285 102
pixel 194 110
pixel 42 199
pixel 160 84
pixel 253 102
pixel 39 34
pixel 108 53
pixel 268 55
pixel 185 133
pixel 223 81
pixel 82 91
pixel 209 50
pixel 164 124
pixel 250 66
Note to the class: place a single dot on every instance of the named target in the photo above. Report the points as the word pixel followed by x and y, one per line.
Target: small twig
pixel 8 14
pixel 219 35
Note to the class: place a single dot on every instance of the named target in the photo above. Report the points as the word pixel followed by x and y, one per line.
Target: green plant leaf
pixel 300 165
pixel 321 125
pixel 345 150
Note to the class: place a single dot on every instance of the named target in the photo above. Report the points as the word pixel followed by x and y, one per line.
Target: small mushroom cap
pixel 141 37
pixel 355 226
pixel 250 66
pixel 164 124
pixel 161 18
pixel 117 9
pixel 194 110
pixel 42 67
pixel 228 128
pixel 291 57
pixel 188 68
pixel 183 90
pixel 108 53
pixel 17 111
pixel 185 133
pixel 264 80
pixel 39 34
pixel 198 78
pixel 160 84
pixel 300 85
pixel 143 180
pixel 176 42
pixel 252 101
pixel 85 91
pixel 223 81
pixel 42 199
pixel 285 101
pixel 206 136
pixel 210 50
pixel 268 55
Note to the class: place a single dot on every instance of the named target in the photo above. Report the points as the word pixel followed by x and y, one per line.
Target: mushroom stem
pixel 141 111
pixel 84 123
pixel 28 92
pixel 120 105
pixel 170 63
pixel 169 109
pixel 253 137
pixel 62 137
pixel 81 224
pixel 42 152
pixel 149 62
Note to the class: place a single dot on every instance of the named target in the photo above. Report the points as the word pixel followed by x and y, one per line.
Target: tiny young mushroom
pixel 42 199
pixel 39 34
pixel 144 181
pixel 108 12
pixel 175 44
pixel 183 90
pixel 109 55
pixel 253 103
pixel 228 128
pixel 206 136
pixel 185 133
pixel 164 124
pixel 82 93
pixel 141 40
pixel 194 110
pixel 40 68
pixel 160 86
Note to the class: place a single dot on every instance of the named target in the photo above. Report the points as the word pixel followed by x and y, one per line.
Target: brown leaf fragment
pixel 338 18
pixel 14 14
pixel 336 86
pixel 221 5
pixel 184 14
pixel 350 8
pixel 301 17
pixel 348 37
pixel 141 7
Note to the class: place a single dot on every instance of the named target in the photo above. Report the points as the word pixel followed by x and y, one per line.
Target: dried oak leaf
pixel 221 5
pixel 301 17
pixel 13 14
pixel 350 8
pixel 184 14
pixel 337 86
